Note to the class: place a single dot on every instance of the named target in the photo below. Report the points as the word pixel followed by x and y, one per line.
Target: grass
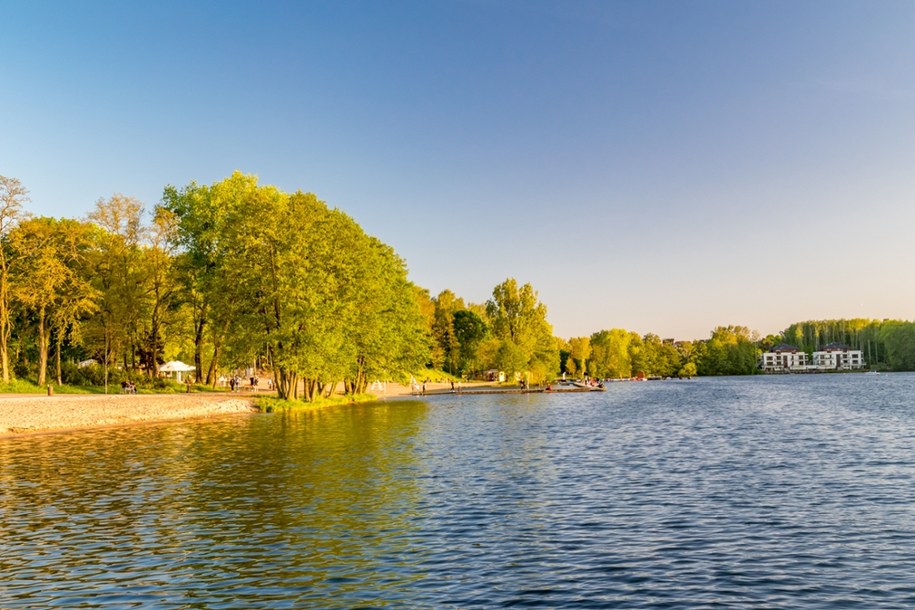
pixel 269 404
pixel 22 386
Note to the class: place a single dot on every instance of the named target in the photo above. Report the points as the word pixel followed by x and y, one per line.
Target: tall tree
pixel 610 353
pixel 446 304
pixel 469 330
pixel 729 351
pixel 519 318
pixel 12 196
pixel 49 254
pixel 158 261
pixel 581 351
pixel 286 278
pixel 119 277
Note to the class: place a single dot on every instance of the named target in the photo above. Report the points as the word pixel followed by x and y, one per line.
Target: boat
pixel 574 386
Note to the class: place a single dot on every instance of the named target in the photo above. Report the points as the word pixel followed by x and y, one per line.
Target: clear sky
pixel 662 167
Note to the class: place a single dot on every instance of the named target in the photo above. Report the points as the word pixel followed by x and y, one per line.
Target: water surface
pixel 766 492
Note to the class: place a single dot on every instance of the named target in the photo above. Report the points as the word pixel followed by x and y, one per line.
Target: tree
pixel 47 279
pixel 119 278
pixel 287 279
pixel 12 196
pixel 729 351
pixel 610 353
pixel 899 338
pixel 469 330
pixel 581 351
pixel 446 304
pixel 519 318
pixel 158 262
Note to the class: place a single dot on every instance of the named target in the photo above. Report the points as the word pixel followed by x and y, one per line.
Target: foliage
pixel 899 338
pixel 288 278
pixel 237 274
pixel 47 272
pixel 518 322
pixel 729 351
pixel 469 331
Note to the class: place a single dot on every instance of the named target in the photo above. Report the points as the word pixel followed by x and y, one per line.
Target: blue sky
pixel 657 166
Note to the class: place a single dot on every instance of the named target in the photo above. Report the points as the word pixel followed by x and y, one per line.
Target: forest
pixel 235 274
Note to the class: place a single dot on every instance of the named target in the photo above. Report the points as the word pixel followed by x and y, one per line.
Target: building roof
pixel 784 347
pixel 835 347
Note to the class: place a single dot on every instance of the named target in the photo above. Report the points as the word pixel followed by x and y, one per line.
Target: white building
pixel 783 357
pixel 837 356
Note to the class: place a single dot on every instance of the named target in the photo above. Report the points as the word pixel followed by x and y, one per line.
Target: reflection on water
pixel 761 492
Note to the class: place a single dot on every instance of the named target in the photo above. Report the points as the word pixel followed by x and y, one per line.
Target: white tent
pixel 177 367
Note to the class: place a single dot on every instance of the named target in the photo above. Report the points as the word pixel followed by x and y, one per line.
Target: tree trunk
pixel 331 389
pixel 211 371
pixel 199 325
pixel 5 357
pixel 286 383
pixel 42 349
pixel 57 361
pixel 4 324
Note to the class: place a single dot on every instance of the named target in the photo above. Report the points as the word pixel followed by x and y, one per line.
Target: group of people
pixel 235 383
pixel 128 387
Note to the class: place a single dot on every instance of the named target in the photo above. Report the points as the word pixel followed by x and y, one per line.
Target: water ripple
pixel 793 492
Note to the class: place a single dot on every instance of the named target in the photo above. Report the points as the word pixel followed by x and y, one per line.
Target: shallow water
pixel 767 492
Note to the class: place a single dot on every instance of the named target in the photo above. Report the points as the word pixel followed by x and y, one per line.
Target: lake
pixel 758 492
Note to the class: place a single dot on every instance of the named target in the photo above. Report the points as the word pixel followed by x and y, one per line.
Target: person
pixel 232 383
pixel 452 386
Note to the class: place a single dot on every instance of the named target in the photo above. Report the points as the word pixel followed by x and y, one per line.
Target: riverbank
pixel 25 414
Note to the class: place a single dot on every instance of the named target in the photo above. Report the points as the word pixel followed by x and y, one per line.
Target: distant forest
pixel 235 274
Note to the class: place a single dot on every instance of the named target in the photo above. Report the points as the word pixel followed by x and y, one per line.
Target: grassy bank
pixel 270 404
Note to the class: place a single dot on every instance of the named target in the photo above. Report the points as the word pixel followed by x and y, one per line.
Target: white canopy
pixel 176 366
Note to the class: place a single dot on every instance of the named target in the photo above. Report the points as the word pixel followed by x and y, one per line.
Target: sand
pixel 35 413
pixel 24 414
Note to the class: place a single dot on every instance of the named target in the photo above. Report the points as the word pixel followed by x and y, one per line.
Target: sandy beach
pixel 35 413
pixel 23 414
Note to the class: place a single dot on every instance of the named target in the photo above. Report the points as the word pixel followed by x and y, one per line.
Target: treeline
pixel 618 354
pixel 235 274
pixel 229 275
pixel 888 344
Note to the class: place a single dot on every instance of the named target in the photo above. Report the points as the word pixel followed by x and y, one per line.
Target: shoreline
pixel 32 414
pixel 22 415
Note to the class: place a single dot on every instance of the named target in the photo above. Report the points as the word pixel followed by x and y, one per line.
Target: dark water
pixel 788 492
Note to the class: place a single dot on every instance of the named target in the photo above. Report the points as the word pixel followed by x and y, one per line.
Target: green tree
pixel 899 338
pixel 581 351
pixel 287 278
pixel 49 256
pixel 158 264
pixel 610 353
pixel 469 330
pixel 729 351
pixel 446 304
pixel 118 276
pixel 519 318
